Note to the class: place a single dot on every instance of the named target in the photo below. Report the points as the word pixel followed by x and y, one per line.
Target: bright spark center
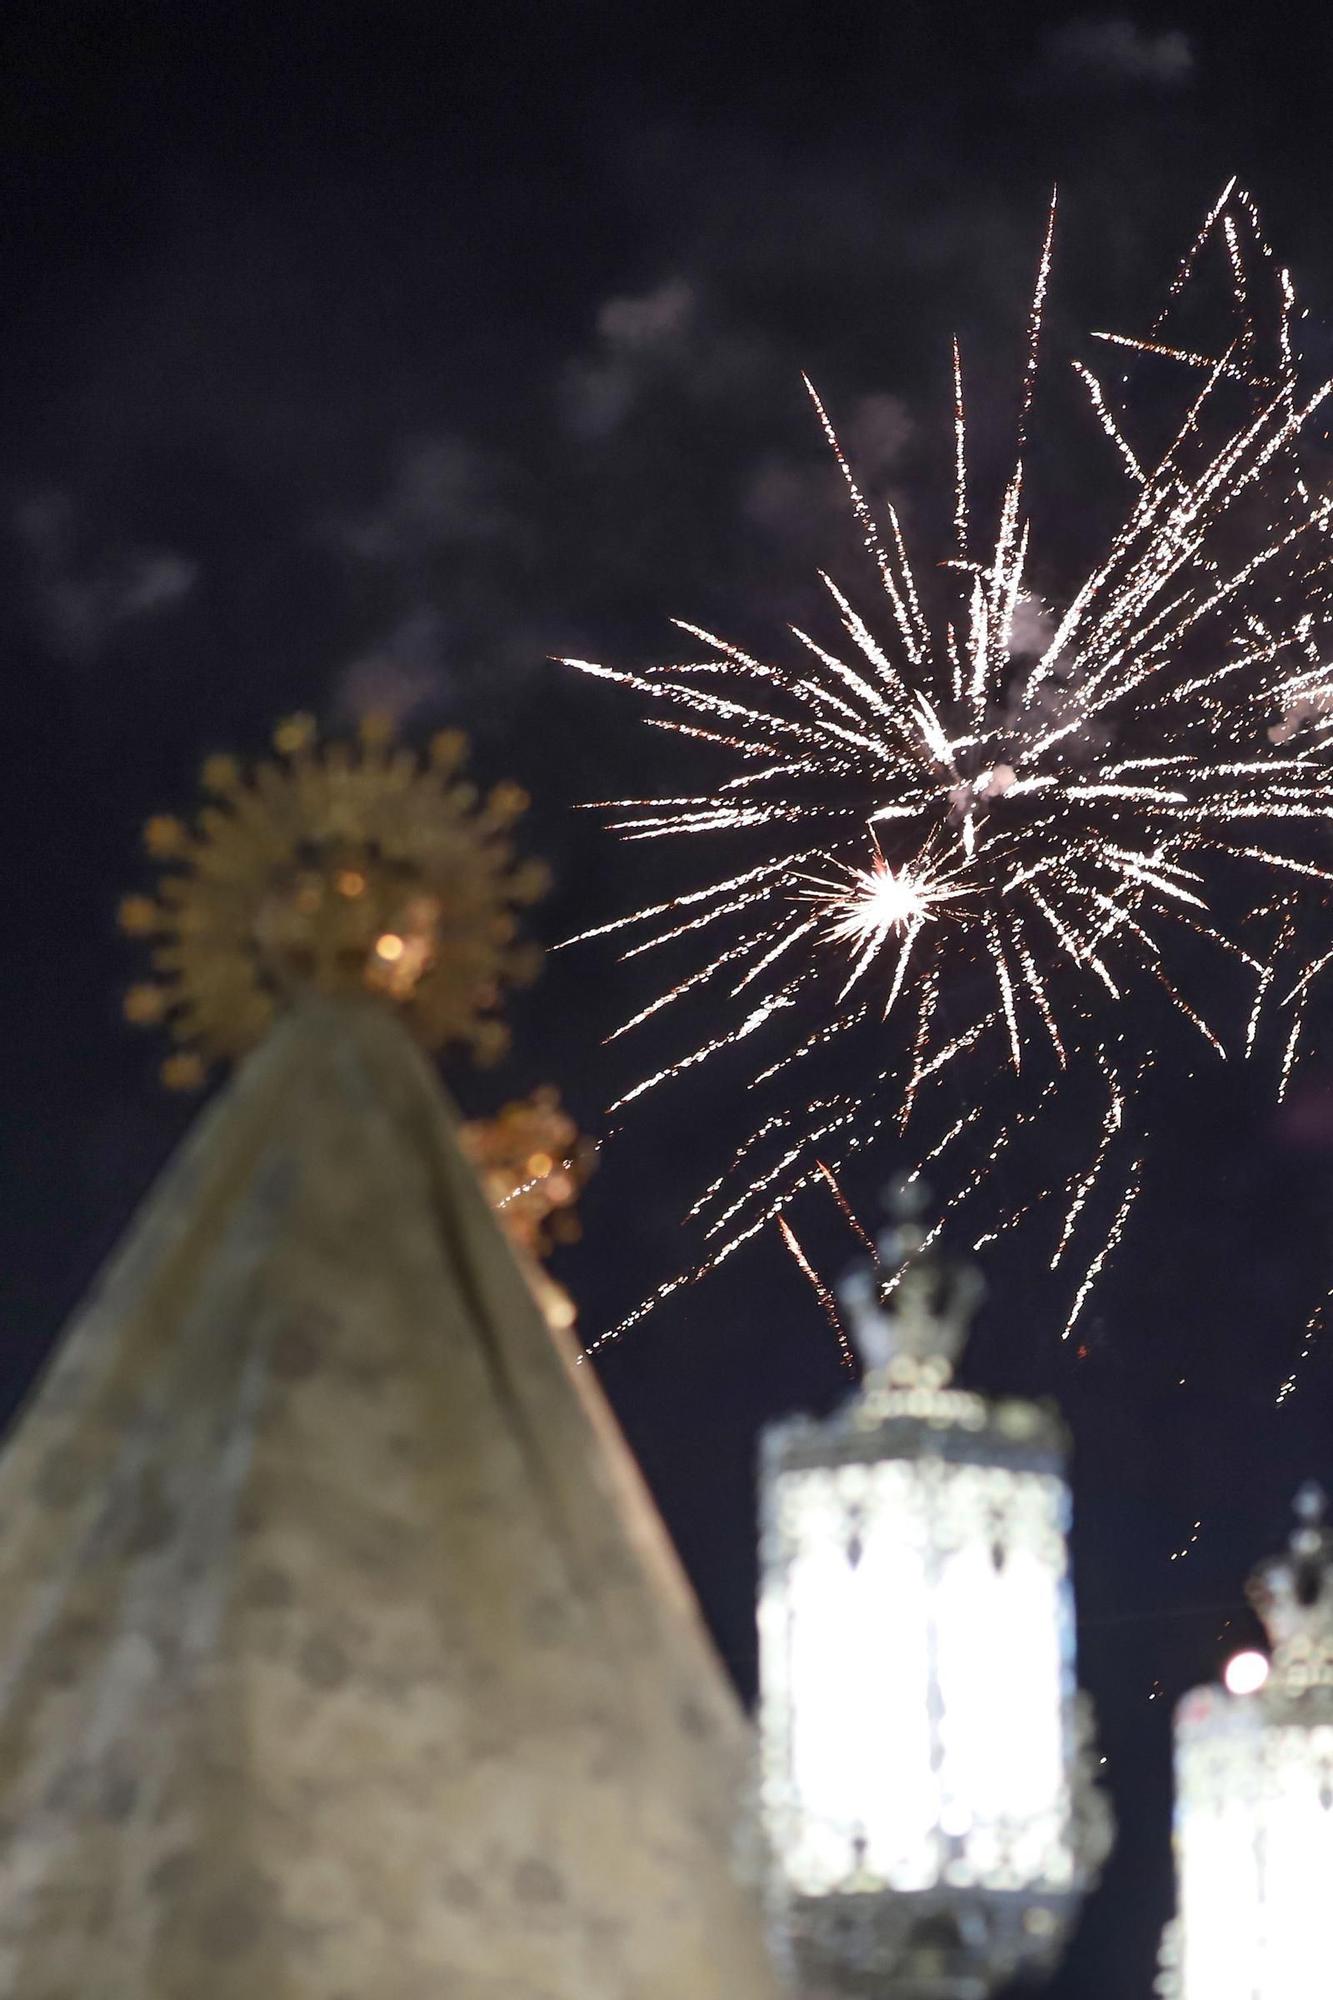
pixel 882 899
pixel 1245 1673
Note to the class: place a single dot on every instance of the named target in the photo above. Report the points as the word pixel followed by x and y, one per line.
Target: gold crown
pixel 339 868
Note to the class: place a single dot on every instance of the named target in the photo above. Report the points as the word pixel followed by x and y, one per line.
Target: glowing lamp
pixel 1254 1797
pixel 1245 1673
pixel 927 1796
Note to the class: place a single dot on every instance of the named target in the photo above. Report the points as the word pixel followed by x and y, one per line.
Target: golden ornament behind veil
pixel 336 868
pixel 532 1160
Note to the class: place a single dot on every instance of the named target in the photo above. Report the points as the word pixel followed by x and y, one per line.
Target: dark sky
pixel 353 354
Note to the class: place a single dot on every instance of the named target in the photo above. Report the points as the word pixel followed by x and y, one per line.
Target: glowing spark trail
pixel 1109 1244
pixel 1314 1326
pixel 822 1293
pixel 967 877
pixel 1179 1555
pixel 848 1211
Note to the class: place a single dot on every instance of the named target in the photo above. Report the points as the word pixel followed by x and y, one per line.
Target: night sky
pixel 353 357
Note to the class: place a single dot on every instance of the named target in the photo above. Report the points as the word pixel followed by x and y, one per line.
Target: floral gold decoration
pixel 532 1162
pixel 334 867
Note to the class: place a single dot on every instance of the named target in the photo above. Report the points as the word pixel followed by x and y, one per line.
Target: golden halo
pixel 334 868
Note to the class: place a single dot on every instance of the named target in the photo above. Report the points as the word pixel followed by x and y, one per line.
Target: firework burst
pixel 959 837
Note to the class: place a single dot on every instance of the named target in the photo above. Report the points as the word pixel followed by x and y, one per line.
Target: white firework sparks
pixel 995 844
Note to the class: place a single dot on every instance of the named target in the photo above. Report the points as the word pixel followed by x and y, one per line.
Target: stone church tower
pixel 342 1654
